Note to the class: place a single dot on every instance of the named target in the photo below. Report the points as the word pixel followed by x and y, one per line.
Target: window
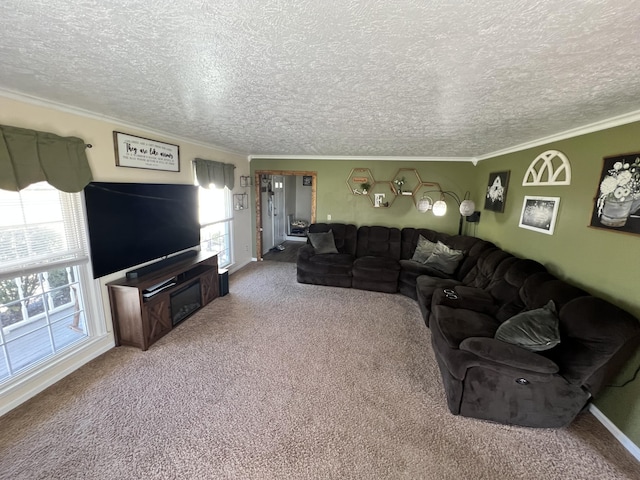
pixel 216 216
pixel 43 258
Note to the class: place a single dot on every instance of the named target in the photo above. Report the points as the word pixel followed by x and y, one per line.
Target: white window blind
pixel 40 227
pixel 216 219
pixel 215 205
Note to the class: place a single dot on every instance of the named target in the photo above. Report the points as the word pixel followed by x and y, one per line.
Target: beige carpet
pixel 279 380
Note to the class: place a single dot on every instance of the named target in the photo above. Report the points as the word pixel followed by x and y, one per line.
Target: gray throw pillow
pixel 535 330
pixel 424 249
pixel 323 242
pixel 444 259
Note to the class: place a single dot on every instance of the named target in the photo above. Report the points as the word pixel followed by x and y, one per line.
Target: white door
pixel 279 215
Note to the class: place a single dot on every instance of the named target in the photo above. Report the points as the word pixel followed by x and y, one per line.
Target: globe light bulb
pixel 424 204
pixel 467 207
pixel 439 208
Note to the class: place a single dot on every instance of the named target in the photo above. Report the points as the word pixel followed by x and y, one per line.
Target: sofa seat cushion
pixel 376 273
pixel 332 269
pixel 426 285
pixel 377 265
pixel 332 259
pixel 503 353
pixel 327 267
pixel 458 324
pixel 415 269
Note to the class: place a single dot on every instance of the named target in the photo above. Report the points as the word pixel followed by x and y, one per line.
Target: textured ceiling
pixel 334 77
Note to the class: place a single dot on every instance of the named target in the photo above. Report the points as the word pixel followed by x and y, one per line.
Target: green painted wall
pixel 335 198
pixel 603 262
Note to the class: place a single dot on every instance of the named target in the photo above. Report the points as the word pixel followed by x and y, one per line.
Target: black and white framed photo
pixel 496 195
pixel 539 214
pixel 617 203
pixel 307 180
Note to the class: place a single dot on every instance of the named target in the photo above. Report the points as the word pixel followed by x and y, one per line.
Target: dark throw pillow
pixel 535 330
pixel 444 259
pixel 424 249
pixel 323 242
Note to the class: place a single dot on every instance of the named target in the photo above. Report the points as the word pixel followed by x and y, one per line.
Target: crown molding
pixel 41 102
pixel 363 158
pixel 574 132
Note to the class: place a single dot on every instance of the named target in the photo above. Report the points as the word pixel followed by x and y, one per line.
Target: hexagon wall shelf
pixel 406 181
pixel 382 194
pixel 357 178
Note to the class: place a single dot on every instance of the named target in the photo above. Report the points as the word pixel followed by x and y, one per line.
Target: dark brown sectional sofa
pixel 491 293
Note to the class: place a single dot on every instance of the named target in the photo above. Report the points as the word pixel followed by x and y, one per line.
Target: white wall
pixel 35 114
pixel 64 121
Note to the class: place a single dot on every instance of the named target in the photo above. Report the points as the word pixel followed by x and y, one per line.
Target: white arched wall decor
pixel 549 168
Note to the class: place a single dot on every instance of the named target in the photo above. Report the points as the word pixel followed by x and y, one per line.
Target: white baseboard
pixel 237 266
pixel 616 432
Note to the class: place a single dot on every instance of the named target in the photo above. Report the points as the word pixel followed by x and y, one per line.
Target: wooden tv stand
pixel 139 319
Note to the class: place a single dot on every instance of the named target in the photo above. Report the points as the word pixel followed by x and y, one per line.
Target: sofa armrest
pixel 305 252
pixel 507 354
pixel 469 298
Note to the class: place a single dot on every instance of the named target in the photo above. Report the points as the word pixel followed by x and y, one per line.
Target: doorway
pixel 272 195
pixel 282 197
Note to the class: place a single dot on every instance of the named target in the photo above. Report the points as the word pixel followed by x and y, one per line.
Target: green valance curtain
pixel 29 156
pixel 219 174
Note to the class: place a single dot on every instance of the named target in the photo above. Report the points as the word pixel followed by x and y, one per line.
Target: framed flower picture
pixel 496 195
pixel 617 202
pixel 539 214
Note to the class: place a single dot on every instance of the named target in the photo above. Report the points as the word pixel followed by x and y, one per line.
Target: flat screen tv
pixel 134 223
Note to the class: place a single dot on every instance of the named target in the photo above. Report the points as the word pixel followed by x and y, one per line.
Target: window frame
pixel 28 380
pixel 226 220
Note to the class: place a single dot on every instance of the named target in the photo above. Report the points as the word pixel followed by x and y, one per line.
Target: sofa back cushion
pixel 534 330
pixel 423 251
pixel 344 235
pixel 541 287
pixel 444 259
pixel 506 290
pixel 598 338
pixel 473 249
pixel 490 267
pixel 410 237
pixel 323 242
pixel 378 241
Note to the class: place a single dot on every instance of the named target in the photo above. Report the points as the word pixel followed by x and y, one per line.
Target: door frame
pixel 258 205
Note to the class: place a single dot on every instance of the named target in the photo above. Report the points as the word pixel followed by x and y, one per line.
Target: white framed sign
pixel 139 152
pixel 539 214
